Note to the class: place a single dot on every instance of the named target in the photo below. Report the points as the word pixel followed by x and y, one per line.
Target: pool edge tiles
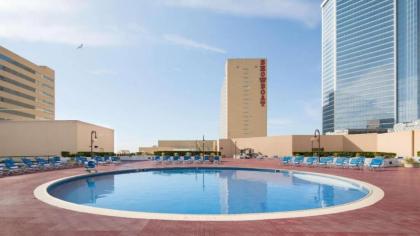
pixel 374 195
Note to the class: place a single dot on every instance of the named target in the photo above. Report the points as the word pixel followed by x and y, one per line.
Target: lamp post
pixel 92 138
pixel 317 137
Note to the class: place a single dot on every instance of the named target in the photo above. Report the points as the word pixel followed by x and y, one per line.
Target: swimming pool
pixel 207 191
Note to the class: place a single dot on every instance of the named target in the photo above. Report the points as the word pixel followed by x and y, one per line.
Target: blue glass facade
pixel 375 64
pixel 408 60
pixel 328 66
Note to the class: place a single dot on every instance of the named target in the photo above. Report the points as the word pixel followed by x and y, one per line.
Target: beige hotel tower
pixel 26 89
pixel 244 99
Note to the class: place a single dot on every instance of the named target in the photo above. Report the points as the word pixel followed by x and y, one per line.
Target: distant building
pixel 370 64
pixel 52 137
pixel 244 99
pixel 27 91
pixel 181 146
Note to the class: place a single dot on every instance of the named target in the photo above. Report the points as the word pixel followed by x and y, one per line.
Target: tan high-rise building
pixel 26 89
pixel 244 99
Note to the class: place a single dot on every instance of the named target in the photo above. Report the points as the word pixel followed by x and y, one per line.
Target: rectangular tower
pixel 244 99
pixel 27 91
pixel 370 64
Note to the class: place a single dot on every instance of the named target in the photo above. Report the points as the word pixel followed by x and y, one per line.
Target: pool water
pixel 208 191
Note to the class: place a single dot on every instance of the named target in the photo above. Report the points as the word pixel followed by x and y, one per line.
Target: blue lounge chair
pixel 298 160
pixel 356 162
pixel 81 160
pixel 100 160
pixel 311 161
pixel 206 159
pixel 197 159
pixel 157 159
pixel 376 163
pixel 42 163
pixel 286 160
pixel 217 160
pixel 91 166
pixel 107 159
pixel 326 161
pixel 12 167
pixel 29 165
pixel 115 160
pixel 56 162
pixel 176 159
pixel 167 160
pixel 187 159
pixel 342 162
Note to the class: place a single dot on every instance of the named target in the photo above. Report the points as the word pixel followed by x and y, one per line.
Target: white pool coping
pixel 375 194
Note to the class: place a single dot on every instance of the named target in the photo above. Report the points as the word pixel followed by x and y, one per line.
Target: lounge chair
pixel 176 159
pixel 157 159
pixel 29 165
pixel 206 159
pixel 286 160
pixel 217 160
pixel 100 160
pixel 81 160
pixel 115 160
pixel 167 160
pixel 91 166
pixel 107 159
pixel 42 163
pixel 311 161
pixel 187 159
pixel 376 163
pixel 356 162
pixel 298 160
pixel 326 161
pixel 197 159
pixel 342 162
pixel 12 167
pixel 56 162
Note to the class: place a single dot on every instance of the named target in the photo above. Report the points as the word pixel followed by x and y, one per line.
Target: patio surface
pixel 398 213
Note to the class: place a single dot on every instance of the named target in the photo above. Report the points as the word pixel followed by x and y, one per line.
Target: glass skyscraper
pixel 370 64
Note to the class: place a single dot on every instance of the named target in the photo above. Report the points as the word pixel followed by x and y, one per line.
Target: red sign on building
pixel 263 82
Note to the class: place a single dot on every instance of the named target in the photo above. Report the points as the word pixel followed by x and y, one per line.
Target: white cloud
pixel 189 43
pixel 54 21
pixel 306 11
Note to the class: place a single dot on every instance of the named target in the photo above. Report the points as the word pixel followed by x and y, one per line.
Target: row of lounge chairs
pixel 28 165
pixel 341 162
pixel 187 159
pixel 91 163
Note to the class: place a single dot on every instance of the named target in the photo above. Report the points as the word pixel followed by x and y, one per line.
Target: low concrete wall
pixel 48 138
pixel 404 144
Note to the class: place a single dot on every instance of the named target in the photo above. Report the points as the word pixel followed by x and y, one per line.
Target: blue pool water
pixel 208 191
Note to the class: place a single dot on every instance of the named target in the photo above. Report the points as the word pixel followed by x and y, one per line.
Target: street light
pixel 92 138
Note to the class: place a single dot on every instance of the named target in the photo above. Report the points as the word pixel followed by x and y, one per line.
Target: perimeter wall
pixel 404 144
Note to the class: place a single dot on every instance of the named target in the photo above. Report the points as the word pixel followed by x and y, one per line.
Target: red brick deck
pixel 397 214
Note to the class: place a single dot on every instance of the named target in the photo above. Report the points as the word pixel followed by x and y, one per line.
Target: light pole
pixel 317 136
pixel 92 138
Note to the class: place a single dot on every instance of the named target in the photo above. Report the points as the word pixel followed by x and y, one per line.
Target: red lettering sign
pixel 263 79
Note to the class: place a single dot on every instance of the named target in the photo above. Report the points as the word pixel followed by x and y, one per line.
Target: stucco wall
pixel 274 145
pixel 360 143
pixel 400 143
pixel 46 138
pixel 104 141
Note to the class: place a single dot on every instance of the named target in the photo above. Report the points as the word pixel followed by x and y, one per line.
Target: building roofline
pixel 323 3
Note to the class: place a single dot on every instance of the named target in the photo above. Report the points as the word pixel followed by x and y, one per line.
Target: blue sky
pixel 153 69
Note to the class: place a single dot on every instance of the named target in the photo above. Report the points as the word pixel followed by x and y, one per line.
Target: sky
pixel 153 69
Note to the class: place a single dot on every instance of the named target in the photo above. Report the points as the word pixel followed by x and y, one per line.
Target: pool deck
pixel 398 213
